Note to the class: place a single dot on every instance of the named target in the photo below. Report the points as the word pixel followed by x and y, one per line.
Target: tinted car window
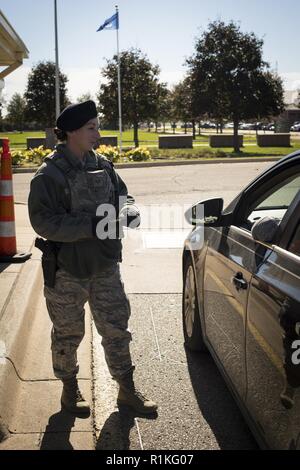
pixel 276 200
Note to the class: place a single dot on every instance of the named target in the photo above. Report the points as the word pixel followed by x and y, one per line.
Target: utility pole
pixel 57 94
pixel 119 81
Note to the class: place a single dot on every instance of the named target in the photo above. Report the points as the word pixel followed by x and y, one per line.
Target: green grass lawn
pixel 207 152
pixel 18 141
pixel 127 136
pixel 19 138
pixel 149 137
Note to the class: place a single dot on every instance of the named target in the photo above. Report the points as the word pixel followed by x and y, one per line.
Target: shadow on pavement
pixel 115 434
pixel 217 404
pixel 3 266
pixel 57 432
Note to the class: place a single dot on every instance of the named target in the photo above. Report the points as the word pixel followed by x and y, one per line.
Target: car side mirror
pixel 207 212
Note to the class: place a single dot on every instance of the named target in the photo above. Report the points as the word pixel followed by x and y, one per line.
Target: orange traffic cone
pixel 8 244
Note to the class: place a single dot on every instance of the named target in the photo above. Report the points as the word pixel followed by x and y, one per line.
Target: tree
pixel 139 80
pixel 16 111
pixel 180 103
pixel 40 94
pixel 269 95
pixel 2 104
pixel 230 80
pixel 163 104
pixel 85 97
pixel 182 108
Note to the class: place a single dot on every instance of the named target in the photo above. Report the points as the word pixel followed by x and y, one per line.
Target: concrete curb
pixel 174 163
pixel 15 322
pixel 30 413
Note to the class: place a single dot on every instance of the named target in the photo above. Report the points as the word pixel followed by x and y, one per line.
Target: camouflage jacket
pixel 81 253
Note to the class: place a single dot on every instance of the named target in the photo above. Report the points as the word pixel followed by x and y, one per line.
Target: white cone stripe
pixel 7 229
pixel 6 188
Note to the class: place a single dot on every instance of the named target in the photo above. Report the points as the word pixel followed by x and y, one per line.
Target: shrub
pixel 17 156
pixel 221 154
pixel 138 154
pixel 36 155
pixel 112 153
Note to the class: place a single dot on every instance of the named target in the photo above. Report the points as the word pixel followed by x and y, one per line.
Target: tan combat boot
pixel 130 396
pixel 72 399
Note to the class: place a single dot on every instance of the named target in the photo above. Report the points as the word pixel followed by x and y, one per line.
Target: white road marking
pixel 168 239
pixel 155 334
pixel 139 434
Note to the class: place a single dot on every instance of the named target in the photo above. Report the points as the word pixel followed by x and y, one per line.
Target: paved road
pixel 196 411
pixel 174 183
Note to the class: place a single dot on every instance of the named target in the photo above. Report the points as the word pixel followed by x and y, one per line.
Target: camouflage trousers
pixel 110 310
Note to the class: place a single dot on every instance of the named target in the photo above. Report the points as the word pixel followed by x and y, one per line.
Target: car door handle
pixel 239 281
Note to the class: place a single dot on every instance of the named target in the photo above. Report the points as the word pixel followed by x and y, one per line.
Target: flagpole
pixel 119 81
pixel 57 97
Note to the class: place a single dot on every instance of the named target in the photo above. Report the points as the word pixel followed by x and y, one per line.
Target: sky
pixel 165 30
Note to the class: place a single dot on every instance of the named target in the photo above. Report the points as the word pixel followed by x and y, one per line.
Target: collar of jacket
pixel 74 161
pixel 90 161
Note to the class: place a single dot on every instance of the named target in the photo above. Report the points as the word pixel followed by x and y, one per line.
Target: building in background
pixel 291 113
pixel 12 50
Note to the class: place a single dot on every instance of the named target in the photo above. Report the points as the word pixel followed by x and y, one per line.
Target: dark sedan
pixel 241 298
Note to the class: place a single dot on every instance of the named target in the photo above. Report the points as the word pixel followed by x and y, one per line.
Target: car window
pixel 276 201
pixel 294 246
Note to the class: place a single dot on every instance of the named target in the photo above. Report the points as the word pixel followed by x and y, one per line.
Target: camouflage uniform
pixel 110 309
pixel 98 280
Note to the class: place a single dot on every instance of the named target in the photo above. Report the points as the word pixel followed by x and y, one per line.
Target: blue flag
pixel 110 23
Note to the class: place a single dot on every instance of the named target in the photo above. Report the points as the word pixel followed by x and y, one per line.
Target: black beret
pixel 76 115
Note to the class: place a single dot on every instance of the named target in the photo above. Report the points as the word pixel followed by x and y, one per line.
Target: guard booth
pixel 12 53
pixel 12 50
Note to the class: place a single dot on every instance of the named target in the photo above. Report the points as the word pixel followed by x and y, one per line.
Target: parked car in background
pixel 187 125
pixel 229 125
pixel 250 126
pixel 295 127
pixel 241 298
pixel 269 127
pixel 208 125
pixel 244 126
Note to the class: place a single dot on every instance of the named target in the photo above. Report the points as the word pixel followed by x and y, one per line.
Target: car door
pixel 230 261
pixel 272 339
pixel 232 258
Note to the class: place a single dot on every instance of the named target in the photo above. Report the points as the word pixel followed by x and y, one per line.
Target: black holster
pixel 49 260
